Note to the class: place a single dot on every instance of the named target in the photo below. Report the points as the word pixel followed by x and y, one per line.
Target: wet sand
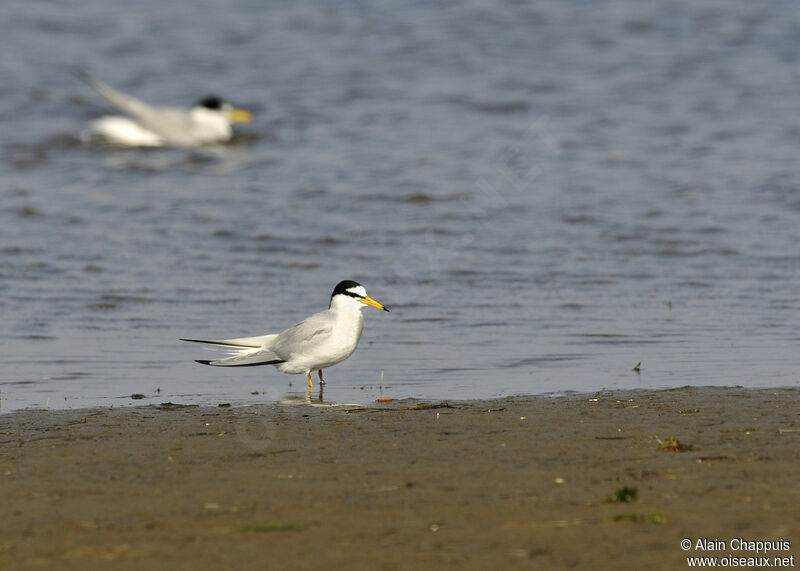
pixel 514 483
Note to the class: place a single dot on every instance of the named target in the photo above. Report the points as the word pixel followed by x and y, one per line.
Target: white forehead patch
pixel 358 290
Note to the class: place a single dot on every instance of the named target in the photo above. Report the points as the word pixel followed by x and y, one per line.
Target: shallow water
pixel 545 194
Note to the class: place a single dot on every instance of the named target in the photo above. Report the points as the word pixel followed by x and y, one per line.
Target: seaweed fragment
pixel 672 444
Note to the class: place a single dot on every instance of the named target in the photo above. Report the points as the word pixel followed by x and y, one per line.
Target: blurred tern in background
pixel 208 122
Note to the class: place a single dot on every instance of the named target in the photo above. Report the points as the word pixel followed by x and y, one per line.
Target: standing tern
pixel 207 122
pixel 316 343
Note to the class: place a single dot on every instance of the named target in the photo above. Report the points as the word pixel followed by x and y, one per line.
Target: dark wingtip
pixel 202 361
pixel 81 73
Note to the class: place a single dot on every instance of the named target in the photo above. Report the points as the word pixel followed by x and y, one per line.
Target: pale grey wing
pixel 304 336
pixel 251 342
pixel 173 124
pixel 126 103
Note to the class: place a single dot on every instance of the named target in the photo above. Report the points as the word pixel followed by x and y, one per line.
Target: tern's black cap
pixel 343 286
pixel 211 102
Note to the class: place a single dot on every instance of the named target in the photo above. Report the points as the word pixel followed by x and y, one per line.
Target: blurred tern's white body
pixel 316 343
pixel 146 125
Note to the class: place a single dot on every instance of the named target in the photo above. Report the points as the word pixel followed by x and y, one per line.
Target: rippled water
pixel 545 194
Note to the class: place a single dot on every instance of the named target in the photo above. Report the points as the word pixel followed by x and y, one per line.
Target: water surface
pixel 545 194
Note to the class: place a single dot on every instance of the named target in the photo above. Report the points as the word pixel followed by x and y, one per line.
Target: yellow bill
pixel 239 116
pixel 367 300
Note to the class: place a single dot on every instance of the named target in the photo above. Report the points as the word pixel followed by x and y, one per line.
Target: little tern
pixel 316 343
pixel 207 122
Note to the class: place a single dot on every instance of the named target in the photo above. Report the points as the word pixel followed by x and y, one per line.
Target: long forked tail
pixel 237 361
pixel 249 352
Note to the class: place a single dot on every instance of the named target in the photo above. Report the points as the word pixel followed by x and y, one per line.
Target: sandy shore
pixel 513 483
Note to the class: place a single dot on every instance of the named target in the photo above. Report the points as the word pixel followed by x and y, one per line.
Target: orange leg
pixel 308 378
pixel 321 380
